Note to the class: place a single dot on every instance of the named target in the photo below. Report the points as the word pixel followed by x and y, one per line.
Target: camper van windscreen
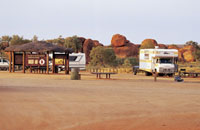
pixel 72 58
pixel 166 61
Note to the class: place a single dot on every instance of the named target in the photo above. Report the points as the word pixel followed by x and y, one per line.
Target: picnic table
pixel 191 74
pixel 98 74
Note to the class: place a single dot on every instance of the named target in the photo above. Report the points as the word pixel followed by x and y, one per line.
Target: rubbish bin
pixel 75 74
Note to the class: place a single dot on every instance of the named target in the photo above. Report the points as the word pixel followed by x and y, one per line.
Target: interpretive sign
pixel 18 59
pixel 36 60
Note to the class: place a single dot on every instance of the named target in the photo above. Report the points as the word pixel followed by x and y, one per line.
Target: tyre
pixel 148 74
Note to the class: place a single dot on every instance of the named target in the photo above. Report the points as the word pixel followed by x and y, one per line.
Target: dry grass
pixel 126 102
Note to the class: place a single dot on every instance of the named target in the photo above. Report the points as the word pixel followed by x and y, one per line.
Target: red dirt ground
pixel 127 102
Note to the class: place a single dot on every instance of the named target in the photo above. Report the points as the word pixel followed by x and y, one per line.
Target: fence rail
pixel 111 70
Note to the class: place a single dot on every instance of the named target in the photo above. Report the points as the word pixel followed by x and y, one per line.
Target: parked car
pixel 4 64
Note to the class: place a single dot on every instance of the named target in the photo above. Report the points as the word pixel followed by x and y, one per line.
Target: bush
pixel 102 57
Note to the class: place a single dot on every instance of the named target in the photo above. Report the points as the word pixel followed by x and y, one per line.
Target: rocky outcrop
pixel 185 54
pixel 130 50
pixel 188 56
pixel 87 47
pixel 173 47
pixel 118 40
pixel 162 46
pixel 148 43
pixel 122 47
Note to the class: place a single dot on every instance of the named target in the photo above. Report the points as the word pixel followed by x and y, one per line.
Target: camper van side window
pixel 146 56
pixel 72 58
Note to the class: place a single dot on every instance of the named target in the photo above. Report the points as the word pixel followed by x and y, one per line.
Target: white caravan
pixel 161 61
pixel 76 60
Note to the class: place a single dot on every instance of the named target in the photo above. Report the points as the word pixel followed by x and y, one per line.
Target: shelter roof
pixel 38 47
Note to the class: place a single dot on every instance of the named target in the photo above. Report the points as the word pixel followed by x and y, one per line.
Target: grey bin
pixel 75 74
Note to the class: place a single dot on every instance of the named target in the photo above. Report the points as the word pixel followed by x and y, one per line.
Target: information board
pixel 35 60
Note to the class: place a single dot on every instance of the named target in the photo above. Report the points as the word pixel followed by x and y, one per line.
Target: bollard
pixel 75 74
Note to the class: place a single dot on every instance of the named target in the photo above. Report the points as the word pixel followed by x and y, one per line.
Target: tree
pixel 193 43
pixel 73 42
pixel 102 57
pixel 196 51
pixel 35 38
pixel 4 42
pixel 127 63
pixel 17 40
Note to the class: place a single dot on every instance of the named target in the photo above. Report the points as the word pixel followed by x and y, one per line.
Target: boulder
pixel 118 40
pixel 97 43
pixel 82 40
pixel 162 46
pixel 87 47
pixel 149 43
pixel 130 50
pixel 188 56
pixel 189 48
pixel 180 54
pixel 173 47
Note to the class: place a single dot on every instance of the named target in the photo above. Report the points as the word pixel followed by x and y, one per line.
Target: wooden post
pixel 13 62
pixel 23 62
pixel 155 76
pixel 47 62
pixel 53 64
pixel 10 60
pixel 67 63
pixel 65 59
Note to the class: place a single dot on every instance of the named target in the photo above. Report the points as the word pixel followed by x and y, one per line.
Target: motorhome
pixel 162 61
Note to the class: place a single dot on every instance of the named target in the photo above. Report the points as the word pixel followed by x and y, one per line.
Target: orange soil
pixel 127 102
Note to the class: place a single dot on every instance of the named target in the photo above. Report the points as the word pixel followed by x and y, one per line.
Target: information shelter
pixel 36 56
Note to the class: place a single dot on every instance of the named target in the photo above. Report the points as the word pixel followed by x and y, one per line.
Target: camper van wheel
pixel 135 72
pixel 148 74
pixel 170 75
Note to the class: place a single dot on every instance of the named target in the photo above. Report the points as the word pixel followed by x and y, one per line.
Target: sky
pixel 167 21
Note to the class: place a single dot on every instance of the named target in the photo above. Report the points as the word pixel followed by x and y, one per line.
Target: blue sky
pixel 167 21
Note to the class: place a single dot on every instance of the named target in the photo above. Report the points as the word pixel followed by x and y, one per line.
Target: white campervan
pixel 161 61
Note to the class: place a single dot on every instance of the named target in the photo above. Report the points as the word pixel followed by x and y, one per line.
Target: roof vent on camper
pixel 156 47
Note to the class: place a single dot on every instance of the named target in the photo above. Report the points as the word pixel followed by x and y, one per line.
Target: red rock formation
pixel 126 51
pixel 185 53
pixel 149 43
pixel 162 46
pixel 82 40
pixel 122 47
pixel 118 40
pixel 97 43
pixel 188 56
pixel 87 47
pixel 173 47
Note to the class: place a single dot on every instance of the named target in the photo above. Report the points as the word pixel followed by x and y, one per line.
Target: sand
pixel 126 102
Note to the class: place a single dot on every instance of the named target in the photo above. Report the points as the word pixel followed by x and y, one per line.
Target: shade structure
pixel 42 49
pixel 38 47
